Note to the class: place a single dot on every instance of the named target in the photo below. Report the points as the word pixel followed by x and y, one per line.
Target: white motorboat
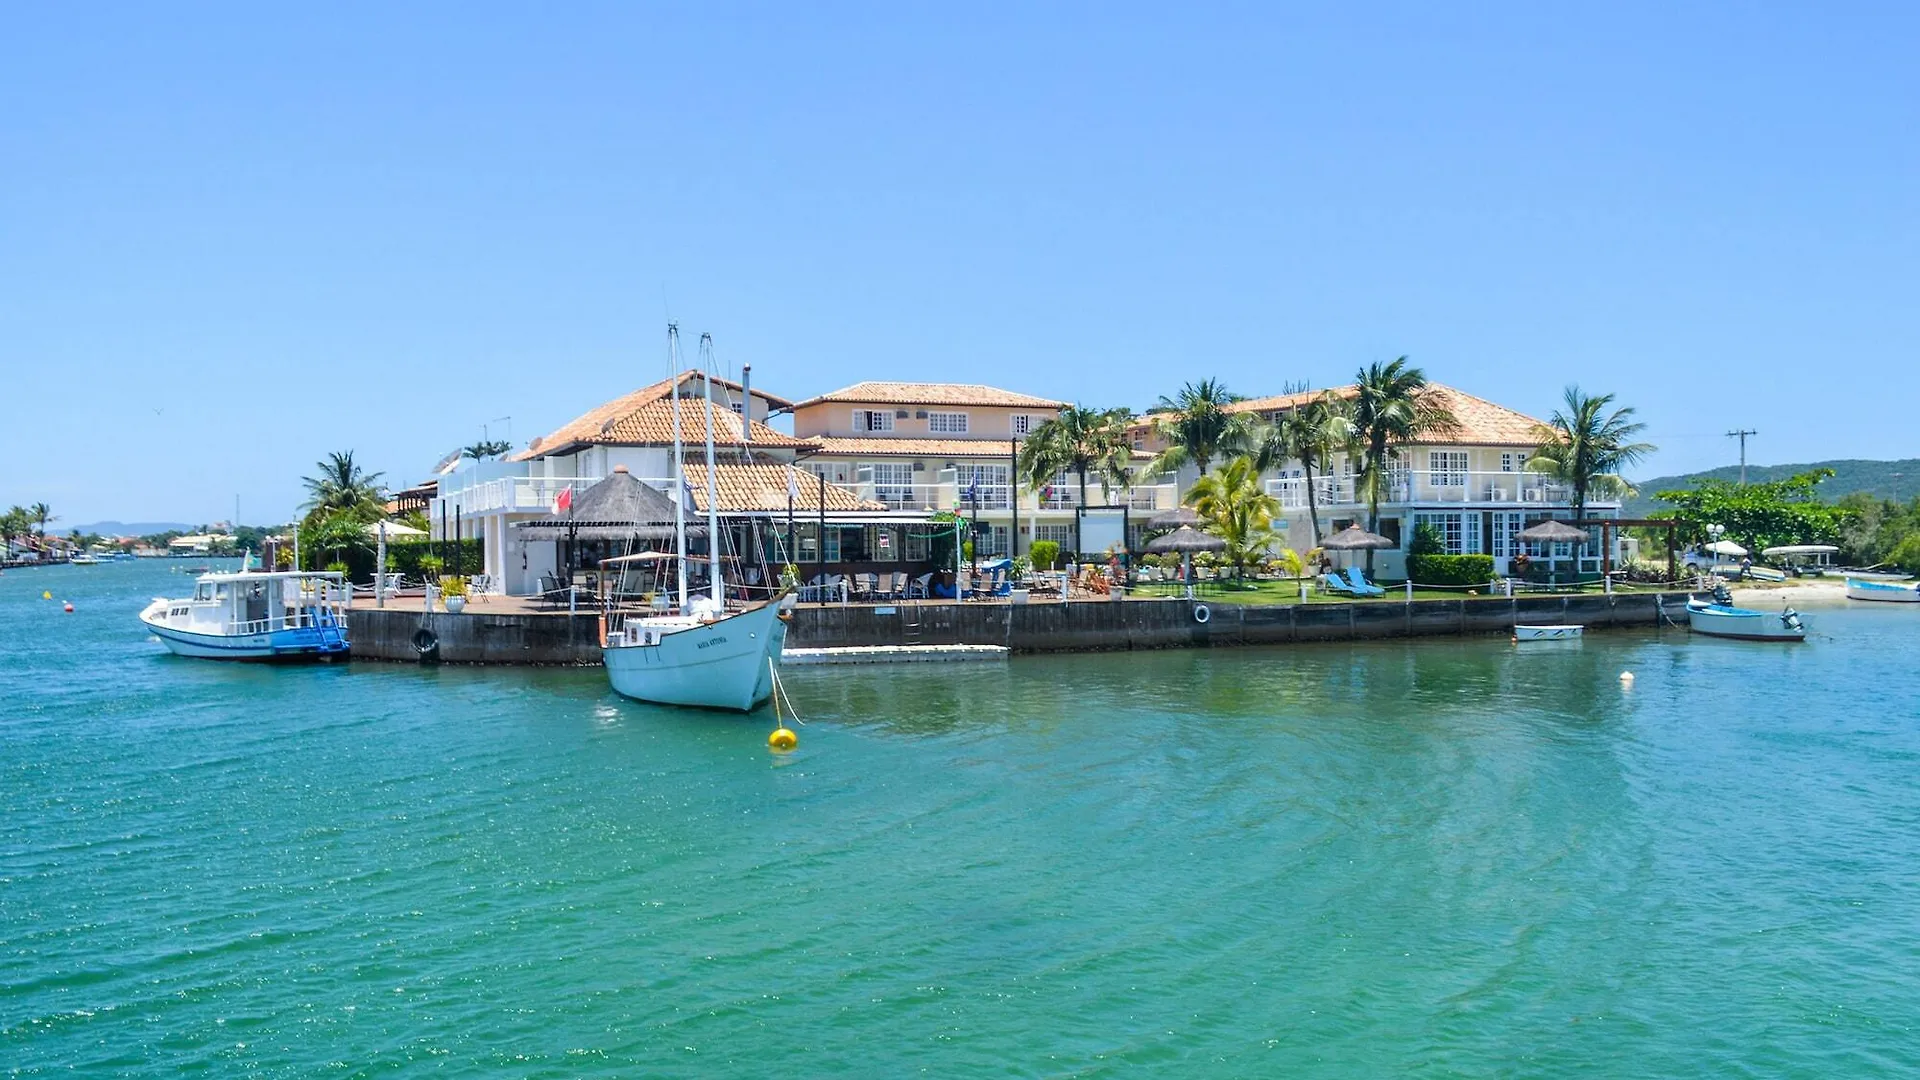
pixel 700 654
pixel 280 616
pixel 1718 617
pixel 84 559
pixel 1556 632
pixel 1898 592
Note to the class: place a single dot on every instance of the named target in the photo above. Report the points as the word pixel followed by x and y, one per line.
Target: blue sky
pixel 233 238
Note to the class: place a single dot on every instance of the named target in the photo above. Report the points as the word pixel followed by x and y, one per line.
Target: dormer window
pixel 947 423
pixel 872 420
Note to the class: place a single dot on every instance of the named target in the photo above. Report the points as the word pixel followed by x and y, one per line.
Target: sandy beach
pixel 1801 593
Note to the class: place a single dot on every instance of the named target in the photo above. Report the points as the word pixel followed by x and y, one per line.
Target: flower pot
pixel 456 604
pixel 1020 596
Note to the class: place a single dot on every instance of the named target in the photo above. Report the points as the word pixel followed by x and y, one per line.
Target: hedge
pixel 1450 569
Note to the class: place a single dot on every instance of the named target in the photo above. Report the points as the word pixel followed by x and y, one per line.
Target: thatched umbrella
pixel 619 507
pixel 1355 538
pixel 1175 518
pixel 1552 532
pixel 1186 540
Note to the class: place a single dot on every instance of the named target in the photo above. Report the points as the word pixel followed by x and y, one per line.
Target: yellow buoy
pixel 782 740
pixel 46 594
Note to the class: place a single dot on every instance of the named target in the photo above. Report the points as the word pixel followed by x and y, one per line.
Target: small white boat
pixel 84 559
pixel 1898 592
pixel 1719 618
pixel 1547 633
pixel 279 616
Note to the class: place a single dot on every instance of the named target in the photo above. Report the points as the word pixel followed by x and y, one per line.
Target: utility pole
pixel 1742 434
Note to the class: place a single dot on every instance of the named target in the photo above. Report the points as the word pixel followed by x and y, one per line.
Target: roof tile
pixel 917 393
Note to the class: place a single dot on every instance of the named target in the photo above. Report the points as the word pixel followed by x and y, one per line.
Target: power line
pixel 1742 434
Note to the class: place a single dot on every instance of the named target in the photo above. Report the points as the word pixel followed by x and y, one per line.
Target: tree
pixel 335 535
pixel 486 448
pixel 343 487
pixel 1309 433
pixel 14 523
pixel 1772 513
pixel 1392 405
pixel 42 513
pixel 1080 441
pixel 1198 427
pixel 1237 510
pixel 1586 447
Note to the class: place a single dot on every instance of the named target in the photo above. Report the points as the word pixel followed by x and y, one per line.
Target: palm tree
pixel 1309 432
pixel 14 522
pixel 1198 428
pixel 343 486
pixel 1392 405
pixel 41 514
pixel 1237 510
pixel 486 448
pixel 1586 450
pixel 1081 441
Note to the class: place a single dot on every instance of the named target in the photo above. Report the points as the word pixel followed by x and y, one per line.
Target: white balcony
pixel 512 494
pixel 1436 488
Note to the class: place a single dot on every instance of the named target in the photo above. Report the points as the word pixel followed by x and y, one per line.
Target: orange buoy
pixel 69 606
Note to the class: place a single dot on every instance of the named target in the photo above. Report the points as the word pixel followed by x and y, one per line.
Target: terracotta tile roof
pixel 764 487
pixel 645 418
pixel 1482 422
pixel 883 447
pixel 914 393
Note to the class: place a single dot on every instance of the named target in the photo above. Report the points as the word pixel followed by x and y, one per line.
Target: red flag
pixel 563 502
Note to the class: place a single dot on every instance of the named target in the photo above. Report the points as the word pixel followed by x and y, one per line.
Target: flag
pixel 793 487
pixel 563 502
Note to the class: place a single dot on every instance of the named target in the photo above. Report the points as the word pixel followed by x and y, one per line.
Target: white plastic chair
pixel 922 587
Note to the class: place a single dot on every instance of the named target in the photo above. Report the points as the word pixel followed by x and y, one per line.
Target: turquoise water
pixel 1449 858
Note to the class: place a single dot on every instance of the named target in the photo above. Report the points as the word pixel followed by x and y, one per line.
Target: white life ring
pixel 1201 614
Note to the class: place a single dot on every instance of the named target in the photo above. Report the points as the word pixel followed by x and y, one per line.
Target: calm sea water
pixel 1433 859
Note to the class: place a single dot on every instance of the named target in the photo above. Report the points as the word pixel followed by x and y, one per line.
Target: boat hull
pixel 1743 624
pixel 1548 633
pixel 1884 591
pixel 724 664
pixel 303 643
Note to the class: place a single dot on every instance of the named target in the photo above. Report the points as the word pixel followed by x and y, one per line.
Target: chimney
pixel 746 403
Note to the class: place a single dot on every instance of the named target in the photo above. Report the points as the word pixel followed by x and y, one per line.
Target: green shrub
pixel 1045 553
pixel 1450 569
pixel 1426 541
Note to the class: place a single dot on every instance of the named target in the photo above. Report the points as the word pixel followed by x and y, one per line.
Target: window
pixel 834 472
pixel 1513 461
pixel 1447 468
pixel 872 420
pixel 983 485
pixel 833 543
pixel 809 542
pixel 919 546
pixel 1060 493
pixel 1501 544
pixel 1459 533
pixel 1021 423
pixel 1059 534
pixel 892 482
pixel 990 540
pixel 948 423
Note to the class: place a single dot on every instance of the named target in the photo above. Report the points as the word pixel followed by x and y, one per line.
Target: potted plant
pixel 1020 593
pixel 454 588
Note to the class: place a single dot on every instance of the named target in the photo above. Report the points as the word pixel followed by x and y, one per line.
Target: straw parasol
pixel 1552 532
pixel 1175 518
pixel 1186 540
pixel 617 508
pixel 1355 538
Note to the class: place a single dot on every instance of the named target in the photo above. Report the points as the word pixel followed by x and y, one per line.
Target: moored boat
pixel 278 616
pixel 1898 592
pixel 1554 632
pixel 1718 617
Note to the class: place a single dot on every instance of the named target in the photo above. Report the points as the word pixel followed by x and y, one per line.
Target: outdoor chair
pixel 1334 583
pixel 922 587
pixel 836 588
pixel 1357 578
pixel 480 585
pixel 898 590
pixel 810 592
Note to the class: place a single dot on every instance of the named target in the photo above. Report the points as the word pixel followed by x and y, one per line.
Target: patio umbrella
pixel 1552 532
pixel 1186 540
pixel 1724 547
pixel 1355 538
pixel 1175 518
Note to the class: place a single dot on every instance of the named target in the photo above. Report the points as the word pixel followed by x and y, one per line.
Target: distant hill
pixel 122 528
pixel 1896 480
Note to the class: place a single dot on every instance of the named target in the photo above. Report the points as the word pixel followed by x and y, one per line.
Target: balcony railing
pixel 1495 488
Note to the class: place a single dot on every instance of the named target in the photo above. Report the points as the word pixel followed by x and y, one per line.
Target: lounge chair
pixel 1334 583
pixel 1357 579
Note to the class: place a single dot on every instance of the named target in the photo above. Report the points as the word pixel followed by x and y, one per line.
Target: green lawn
pixel 1288 592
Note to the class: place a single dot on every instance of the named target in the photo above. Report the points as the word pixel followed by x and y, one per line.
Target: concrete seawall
pixel 480 638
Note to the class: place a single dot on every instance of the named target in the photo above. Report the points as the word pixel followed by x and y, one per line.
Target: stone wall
pixel 1134 624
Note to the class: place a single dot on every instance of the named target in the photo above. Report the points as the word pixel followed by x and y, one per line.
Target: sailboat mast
pixel 679 468
pixel 713 484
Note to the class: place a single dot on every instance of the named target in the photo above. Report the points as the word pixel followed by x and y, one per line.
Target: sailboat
pixel 702 655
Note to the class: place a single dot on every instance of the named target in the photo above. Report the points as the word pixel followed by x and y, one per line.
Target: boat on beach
pixel 1718 617
pixel 1898 592
pixel 291 615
